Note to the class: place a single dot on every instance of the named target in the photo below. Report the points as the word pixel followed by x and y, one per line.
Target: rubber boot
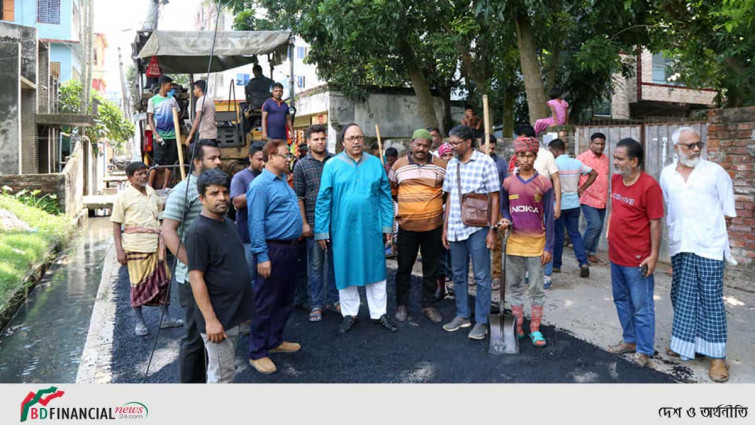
pixel 537 317
pixel 440 293
pixel 518 312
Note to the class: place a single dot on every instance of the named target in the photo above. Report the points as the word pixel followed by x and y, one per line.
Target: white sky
pixel 119 20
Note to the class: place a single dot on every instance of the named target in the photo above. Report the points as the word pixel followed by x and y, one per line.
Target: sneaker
pixel 263 365
pixel 457 324
pixel 547 283
pixel 479 332
pixel 170 322
pixel 401 313
pixel 584 270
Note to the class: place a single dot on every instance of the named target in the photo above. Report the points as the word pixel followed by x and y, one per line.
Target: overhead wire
pixel 186 195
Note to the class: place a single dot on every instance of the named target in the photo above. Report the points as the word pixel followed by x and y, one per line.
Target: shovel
pixel 503 338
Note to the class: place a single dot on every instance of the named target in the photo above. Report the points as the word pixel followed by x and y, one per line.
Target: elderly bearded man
pixel 699 197
pixel 353 209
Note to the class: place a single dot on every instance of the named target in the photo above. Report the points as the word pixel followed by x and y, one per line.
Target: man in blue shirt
pixel 569 172
pixel 239 186
pixel 275 225
pixel 275 116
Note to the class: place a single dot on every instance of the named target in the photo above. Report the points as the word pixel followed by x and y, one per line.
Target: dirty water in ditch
pixel 45 339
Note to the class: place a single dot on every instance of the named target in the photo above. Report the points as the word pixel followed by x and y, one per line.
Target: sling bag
pixel 475 207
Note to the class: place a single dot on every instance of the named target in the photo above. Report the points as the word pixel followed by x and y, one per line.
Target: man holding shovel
pixel 527 206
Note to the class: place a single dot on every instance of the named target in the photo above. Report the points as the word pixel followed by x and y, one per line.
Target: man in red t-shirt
pixel 634 239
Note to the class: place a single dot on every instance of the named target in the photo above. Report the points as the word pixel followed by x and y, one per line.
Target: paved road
pixel 419 352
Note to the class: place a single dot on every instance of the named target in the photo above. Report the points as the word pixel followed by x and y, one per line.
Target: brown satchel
pixel 475 207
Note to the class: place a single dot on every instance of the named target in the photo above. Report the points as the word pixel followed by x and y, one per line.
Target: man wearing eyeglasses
pixel 470 171
pixel 699 197
pixel 275 226
pixel 354 210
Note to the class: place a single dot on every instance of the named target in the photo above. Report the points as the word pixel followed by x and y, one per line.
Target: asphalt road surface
pixel 419 352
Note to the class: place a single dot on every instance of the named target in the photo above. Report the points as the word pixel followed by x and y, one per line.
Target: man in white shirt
pixel 698 196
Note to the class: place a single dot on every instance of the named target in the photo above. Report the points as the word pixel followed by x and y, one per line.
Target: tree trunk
pixel 550 80
pixel 508 114
pixel 533 82
pixel 426 108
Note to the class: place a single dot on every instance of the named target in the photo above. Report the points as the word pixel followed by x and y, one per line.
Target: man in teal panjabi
pixel 354 209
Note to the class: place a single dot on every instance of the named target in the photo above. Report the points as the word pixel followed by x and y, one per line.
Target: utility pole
pixel 153 13
pixel 124 88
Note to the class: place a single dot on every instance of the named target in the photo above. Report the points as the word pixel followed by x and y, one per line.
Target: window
pixel 301 52
pixel 662 72
pixel 300 81
pixel 48 11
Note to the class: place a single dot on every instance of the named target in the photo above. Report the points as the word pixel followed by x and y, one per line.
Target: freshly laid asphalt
pixel 420 352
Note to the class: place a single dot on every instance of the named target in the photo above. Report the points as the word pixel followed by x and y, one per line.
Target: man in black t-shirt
pixel 219 276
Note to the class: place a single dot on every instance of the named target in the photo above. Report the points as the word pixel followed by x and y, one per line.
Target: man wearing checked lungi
pixel 139 246
pixel 699 197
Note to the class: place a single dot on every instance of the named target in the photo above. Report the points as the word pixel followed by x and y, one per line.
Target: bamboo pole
pixel 486 122
pixel 380 144
pixel 179 145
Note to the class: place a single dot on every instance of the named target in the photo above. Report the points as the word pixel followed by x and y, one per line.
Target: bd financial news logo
pixel 35 407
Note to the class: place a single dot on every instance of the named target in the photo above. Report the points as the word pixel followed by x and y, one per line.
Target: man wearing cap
pixel 417 186
pixel 527 206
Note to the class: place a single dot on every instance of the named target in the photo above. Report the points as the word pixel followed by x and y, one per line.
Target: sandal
pixel 538 340
pixel 622 348
pixel 315 315
pixel 719 370
pixel 671 353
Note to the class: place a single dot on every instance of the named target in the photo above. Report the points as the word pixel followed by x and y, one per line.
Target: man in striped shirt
pixel 417 185
pixel 181 210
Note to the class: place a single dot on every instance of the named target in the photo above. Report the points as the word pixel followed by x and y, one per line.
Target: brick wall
pixel 731 143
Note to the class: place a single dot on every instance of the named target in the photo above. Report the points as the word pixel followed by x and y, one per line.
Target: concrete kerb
pixel 96 357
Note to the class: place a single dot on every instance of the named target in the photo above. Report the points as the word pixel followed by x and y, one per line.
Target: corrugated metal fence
pixel 659 152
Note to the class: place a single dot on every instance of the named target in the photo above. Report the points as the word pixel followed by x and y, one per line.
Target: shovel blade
pixel 502 334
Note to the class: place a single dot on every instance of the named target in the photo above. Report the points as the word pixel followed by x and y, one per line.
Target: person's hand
pixel 444 239
pixel 307 231
pixel 651 262
pixel 580 191
pixel 215 331
pixel 503 224
pixel 491 239
pixel 121 255
pixel 160 140
pixel 263 269
pixel 264 135
pixel 387 237
pixel 556 211
pixel 546 258
pixel 323 244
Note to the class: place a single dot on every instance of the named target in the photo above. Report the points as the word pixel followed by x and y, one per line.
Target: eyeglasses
pixel 287 156
pixel 456 143
pixel 691 146
pixel 355 139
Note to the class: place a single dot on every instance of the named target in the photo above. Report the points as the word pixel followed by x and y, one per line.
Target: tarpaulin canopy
pixel 188 52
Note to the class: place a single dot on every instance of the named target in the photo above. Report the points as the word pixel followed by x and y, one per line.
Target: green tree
pixel 110 123
pixel 711 42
